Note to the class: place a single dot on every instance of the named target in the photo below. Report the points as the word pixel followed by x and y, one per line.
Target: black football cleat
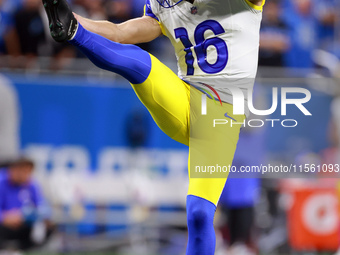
pixel 63 25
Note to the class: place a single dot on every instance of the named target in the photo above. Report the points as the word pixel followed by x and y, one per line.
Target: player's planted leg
pixel 200 215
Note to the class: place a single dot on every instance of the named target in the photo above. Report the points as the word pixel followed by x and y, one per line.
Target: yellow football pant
pixel 176 108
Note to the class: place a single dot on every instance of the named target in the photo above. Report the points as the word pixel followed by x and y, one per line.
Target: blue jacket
pixel 26 198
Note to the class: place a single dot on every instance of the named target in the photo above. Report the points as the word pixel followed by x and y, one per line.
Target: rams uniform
pixel 216 44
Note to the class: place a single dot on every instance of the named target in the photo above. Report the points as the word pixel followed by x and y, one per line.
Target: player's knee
pixel 200 213
pixel 198 218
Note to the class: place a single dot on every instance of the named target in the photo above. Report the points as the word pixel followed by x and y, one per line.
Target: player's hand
pixel 13 219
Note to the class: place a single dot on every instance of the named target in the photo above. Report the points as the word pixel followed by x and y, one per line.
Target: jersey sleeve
pixel 148 11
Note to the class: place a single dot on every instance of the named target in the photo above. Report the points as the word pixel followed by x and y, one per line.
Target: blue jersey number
pixel 202 45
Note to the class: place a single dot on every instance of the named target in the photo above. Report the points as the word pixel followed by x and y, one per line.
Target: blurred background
pixel 103 179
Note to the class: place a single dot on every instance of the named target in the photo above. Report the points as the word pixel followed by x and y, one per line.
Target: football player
pixel 216 44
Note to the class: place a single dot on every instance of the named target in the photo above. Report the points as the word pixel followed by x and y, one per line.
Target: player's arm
pixel 139 30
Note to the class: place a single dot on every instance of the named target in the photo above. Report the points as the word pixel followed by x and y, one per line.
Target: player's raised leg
pixel 155 84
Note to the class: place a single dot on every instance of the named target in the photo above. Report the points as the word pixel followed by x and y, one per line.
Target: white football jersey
pixel 216 41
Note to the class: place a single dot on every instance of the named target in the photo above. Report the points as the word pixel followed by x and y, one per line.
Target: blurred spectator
pixel 291 30
pixel 242 193
pixel 332 155
pixel 303 24
pixel 237 202
pixel 21 207
pixel 136 129
pixel 29 37
pixel 24 29
pixel 28 34
pixel 275 40
pixel 92 9
pixel 9 122
pixel 12 6
pixel 326 12
pixel 119 11
pixel 6 23
pixel 137 8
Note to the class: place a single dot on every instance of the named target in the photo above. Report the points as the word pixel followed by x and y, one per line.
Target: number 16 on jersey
pixel 202 45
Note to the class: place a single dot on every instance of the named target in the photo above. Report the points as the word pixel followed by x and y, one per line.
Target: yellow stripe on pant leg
pixel 167 98
pixel 210 147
